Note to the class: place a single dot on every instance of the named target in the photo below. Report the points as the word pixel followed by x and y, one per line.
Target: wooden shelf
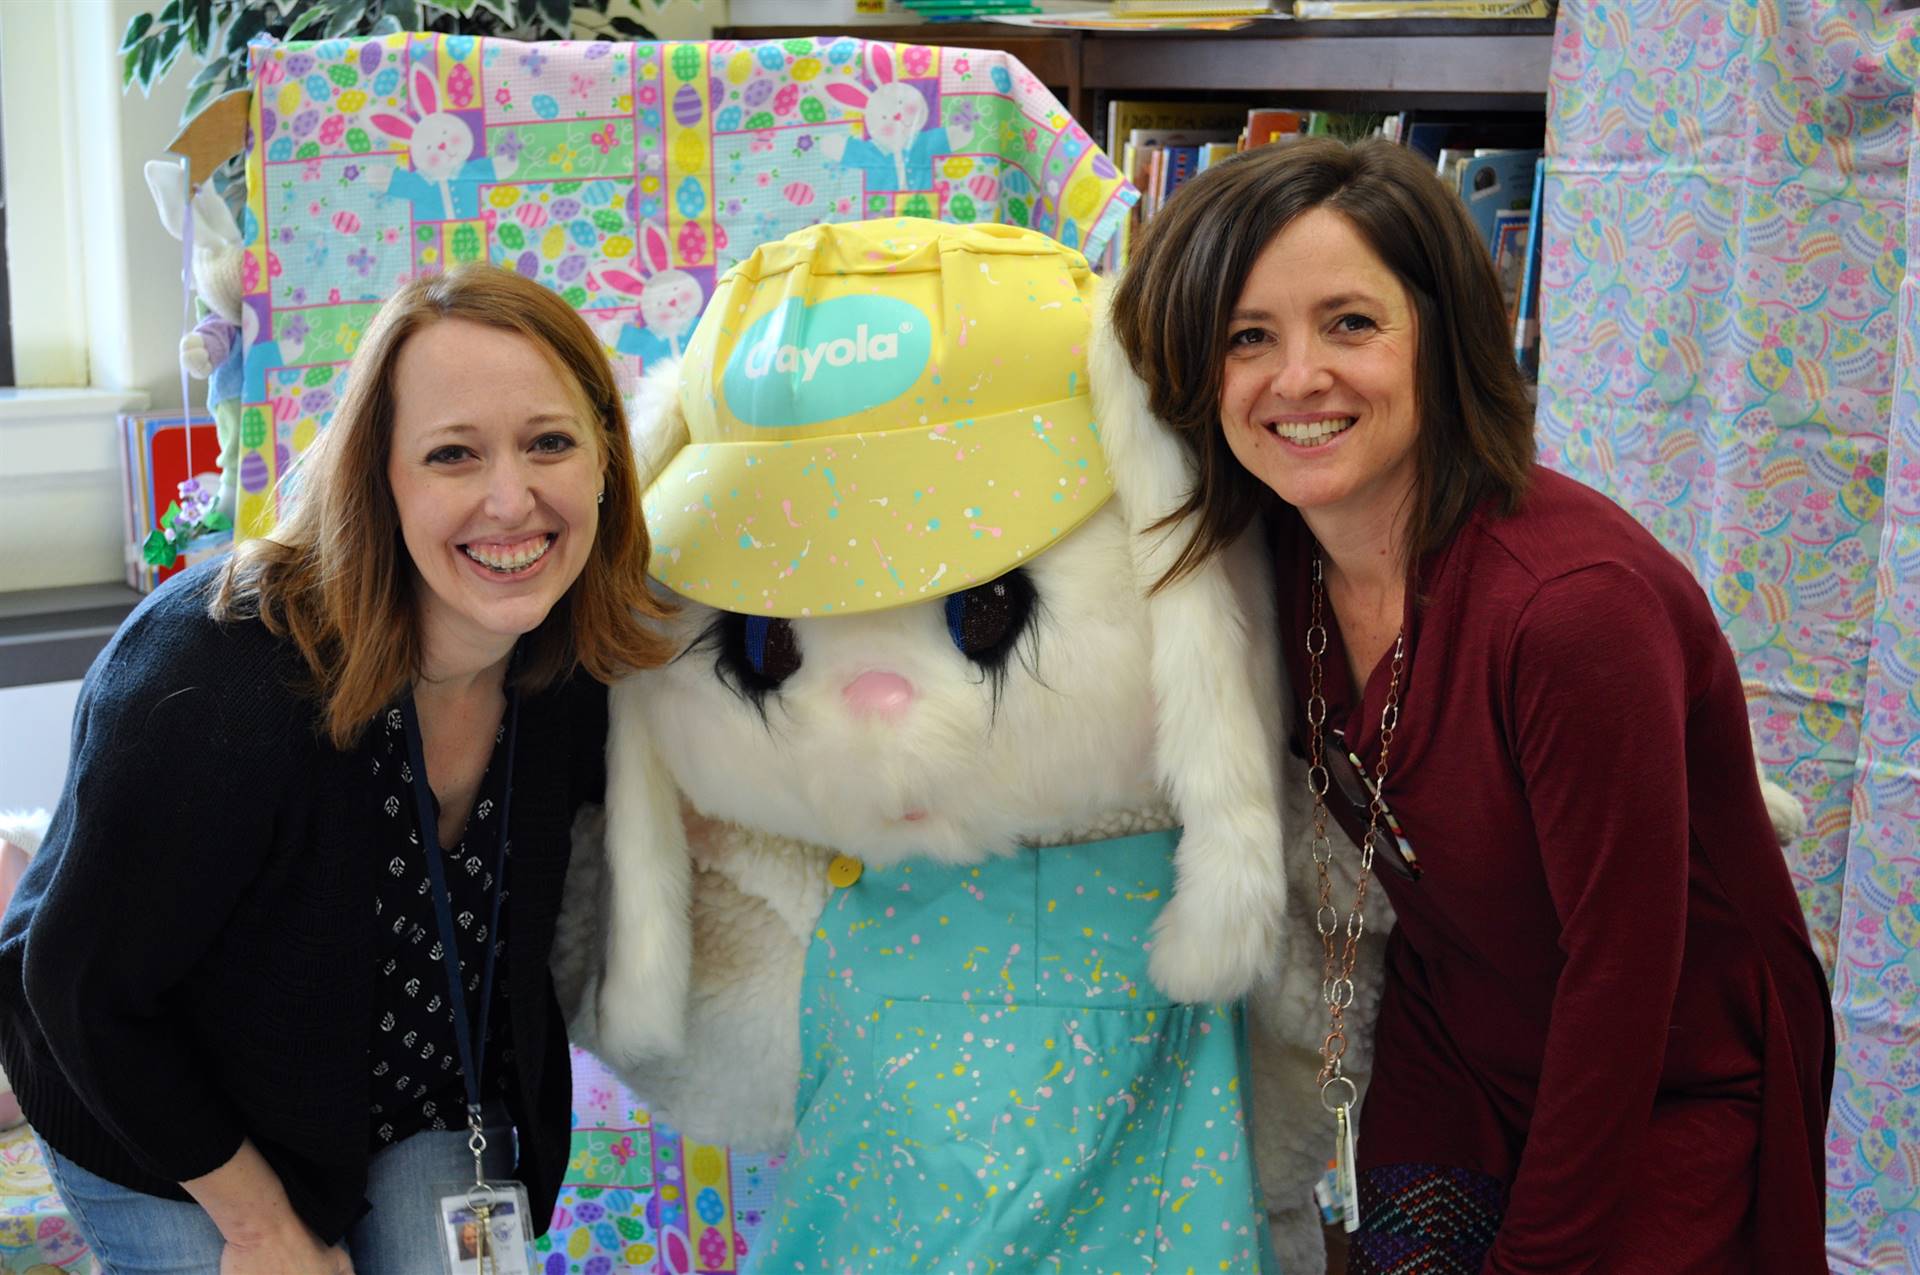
pixel 1499 65
pixel 52 635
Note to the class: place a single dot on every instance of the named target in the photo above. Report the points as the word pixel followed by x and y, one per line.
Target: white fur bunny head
pixel 952 730
pixel 438 143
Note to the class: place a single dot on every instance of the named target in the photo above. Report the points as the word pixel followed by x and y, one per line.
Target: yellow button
pixel 844 871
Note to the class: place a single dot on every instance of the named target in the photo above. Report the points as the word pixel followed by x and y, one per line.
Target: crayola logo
pixel 801 364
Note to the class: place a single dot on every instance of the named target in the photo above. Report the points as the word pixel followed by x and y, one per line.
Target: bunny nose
pixel 878 694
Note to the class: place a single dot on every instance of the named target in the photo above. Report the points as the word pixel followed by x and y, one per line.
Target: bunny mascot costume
pixel 942 855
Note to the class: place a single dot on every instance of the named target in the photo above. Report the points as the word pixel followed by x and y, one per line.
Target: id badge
pixel 485 1229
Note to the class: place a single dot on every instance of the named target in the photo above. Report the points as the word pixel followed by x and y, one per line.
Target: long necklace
pixel 1338 1093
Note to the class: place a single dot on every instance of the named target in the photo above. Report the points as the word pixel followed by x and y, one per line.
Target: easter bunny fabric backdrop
pixel 625 176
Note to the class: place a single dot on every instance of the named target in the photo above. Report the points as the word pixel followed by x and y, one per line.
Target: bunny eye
pixel 987 620
pixel 758 652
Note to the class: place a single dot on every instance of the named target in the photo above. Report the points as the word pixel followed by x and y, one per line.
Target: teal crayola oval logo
pixel 804 363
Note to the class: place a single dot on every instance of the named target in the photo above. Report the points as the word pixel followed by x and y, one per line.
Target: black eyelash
pixel 1022 640
pixel 720 639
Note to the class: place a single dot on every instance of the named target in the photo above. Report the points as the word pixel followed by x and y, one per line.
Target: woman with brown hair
pixel 1604 1043
pixel 252 1007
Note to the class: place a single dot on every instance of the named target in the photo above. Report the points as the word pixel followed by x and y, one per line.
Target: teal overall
pixel 990 1083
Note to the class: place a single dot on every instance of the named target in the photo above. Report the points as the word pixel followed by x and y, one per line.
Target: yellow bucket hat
pixel 880 413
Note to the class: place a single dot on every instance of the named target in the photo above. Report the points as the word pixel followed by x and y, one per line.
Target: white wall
pixel 35 724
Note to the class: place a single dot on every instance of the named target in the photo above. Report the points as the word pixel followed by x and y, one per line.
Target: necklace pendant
pixel 1345 1174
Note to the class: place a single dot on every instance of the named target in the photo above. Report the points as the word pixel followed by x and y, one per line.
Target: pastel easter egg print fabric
pixel 1728 351
pixel 639 1197
pixel 989 1081
pixel 627 177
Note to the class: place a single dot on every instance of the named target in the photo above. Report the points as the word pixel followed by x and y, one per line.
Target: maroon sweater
pixel 1600 991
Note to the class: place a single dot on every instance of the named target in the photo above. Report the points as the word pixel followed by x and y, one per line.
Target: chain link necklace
pixel 1338 1093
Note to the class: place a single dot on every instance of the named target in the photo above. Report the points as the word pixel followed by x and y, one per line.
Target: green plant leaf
pixel 136 28
pixel 405 12
pixel 247 24
pixel 197 97
pixel 149 52
pixel 628 27
pixel 129 65
pixel 170 16
pixel 461 7
pixel 200 30
pixel 387 25
pixel 208 74
pixel 169 50
pixel 309 18
pixel 345 21
pixel 556 16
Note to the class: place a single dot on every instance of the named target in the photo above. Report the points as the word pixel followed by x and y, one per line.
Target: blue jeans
pixel 132 1233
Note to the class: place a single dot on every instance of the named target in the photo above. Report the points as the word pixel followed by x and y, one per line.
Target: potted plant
pixel 218 31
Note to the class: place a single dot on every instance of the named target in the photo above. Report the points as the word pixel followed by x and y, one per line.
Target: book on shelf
pixel 1511 236
pixel 1182 162
pixel 1360 10
pixel 1431 132
pixel 157 454
pixel 1526 322
pixel 1124 115
pixel 1492 182
pixel 1191 8
pixel 1348 126
pixel 1213 152
pixel 1265 124
pixel 1144 159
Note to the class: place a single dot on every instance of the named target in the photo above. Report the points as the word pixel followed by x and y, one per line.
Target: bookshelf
pixel 1405 64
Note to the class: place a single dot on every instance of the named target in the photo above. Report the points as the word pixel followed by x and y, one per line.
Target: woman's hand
pixel 292 1251
pixel 264 1236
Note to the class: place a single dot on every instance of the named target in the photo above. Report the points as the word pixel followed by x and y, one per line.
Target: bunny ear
pixel 212 220
pixel 393 125
pixel 623 281
pixel 425 100
pixel 656 244
pixel 881 63
pixel 168 182
pixel 643 989
pixel 849 95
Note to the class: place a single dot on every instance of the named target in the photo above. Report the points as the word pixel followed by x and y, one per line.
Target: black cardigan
pixel 187 959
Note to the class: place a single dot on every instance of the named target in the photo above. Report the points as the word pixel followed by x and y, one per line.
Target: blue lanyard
pixel 472 1048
